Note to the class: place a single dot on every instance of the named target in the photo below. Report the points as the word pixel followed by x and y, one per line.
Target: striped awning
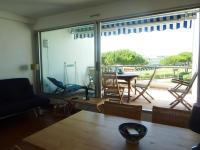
pixel 138 25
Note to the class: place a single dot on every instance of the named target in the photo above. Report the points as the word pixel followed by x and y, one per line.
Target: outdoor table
pixel 128 77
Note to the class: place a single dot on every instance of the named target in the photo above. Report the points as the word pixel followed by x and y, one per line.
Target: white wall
pixel 15 47
pixel 63 48
pixel 116 9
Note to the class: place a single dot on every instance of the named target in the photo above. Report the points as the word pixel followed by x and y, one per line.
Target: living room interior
pixel 29 50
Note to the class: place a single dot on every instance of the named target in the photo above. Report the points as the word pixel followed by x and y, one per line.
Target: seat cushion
pixel 15 89
pixel 9 107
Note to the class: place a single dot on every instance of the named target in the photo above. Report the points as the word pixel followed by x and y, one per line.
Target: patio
pixel 159 86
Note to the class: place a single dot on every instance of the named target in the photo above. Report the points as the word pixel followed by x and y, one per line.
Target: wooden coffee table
pixel 96 131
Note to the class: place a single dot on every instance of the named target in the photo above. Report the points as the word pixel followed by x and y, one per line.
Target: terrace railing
pixel 163 72
pixel 162 78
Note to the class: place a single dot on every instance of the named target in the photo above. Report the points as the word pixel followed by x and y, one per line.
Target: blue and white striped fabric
pixel 138 25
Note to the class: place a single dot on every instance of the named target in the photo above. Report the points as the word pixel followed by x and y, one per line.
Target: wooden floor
pixel 14 129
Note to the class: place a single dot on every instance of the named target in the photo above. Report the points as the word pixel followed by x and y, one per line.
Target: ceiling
pixel 41 8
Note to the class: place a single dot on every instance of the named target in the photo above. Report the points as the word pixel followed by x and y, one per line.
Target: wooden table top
pixel 94 131
pixel 128 76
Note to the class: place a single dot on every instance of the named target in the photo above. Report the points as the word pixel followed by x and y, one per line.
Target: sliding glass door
pixel 67 61
pixel 168 42
pixel 72 58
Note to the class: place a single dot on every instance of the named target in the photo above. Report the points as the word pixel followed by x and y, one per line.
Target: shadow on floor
pixel 14 129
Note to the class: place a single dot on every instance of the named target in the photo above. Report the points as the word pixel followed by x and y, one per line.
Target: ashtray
pixel 132 132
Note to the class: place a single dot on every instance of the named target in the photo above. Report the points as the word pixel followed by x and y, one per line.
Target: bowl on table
pixel 132 132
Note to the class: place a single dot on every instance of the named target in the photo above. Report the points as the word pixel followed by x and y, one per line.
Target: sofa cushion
pixel 10 107
pixel 16 88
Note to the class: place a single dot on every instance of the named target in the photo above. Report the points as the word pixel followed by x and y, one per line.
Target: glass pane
pixel 68 61
pixel 138 45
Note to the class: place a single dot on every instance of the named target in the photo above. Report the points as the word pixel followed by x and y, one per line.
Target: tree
pixel 123 57
pixel 169 60
pixel 184 58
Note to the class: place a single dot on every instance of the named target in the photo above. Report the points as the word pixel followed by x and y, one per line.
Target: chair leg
pixel 173 102
pixel 141 94
pixel 121 95
pixel 146 98
pixel 182 102
pixel 176 96
pixel 185 105
pixel 149 95
pixel 172 106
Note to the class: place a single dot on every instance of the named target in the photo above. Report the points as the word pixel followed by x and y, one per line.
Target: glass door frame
pixel 97 57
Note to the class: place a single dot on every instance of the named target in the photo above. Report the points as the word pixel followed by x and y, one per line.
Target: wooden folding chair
pixel 122 110
pixel 180 91
pixel 111 88
pixel 91 77
pixel 142 88
pixel 171 116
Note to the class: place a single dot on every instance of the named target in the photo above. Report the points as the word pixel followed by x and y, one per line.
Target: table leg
pixel 135 87
pixel 129 88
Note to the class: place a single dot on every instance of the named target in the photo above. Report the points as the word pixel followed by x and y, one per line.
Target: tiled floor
pixel 162 98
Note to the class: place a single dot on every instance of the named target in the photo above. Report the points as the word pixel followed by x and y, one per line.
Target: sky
pixel 151 44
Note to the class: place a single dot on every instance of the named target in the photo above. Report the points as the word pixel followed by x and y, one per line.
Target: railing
pixel 162 78
pixel 163 72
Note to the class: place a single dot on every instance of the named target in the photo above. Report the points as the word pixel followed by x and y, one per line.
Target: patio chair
pixel 181 90
pixel 123 110
pixel 67 88
pixel 170 116
pixel 91 77
pixel 142 88
pixel 111 88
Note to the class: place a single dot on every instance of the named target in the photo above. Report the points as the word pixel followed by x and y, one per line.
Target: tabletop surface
pixel 94 131
pixel 128 75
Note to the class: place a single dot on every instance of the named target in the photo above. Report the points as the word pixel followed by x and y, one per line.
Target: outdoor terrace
pixel 162 98
pixel 159 85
